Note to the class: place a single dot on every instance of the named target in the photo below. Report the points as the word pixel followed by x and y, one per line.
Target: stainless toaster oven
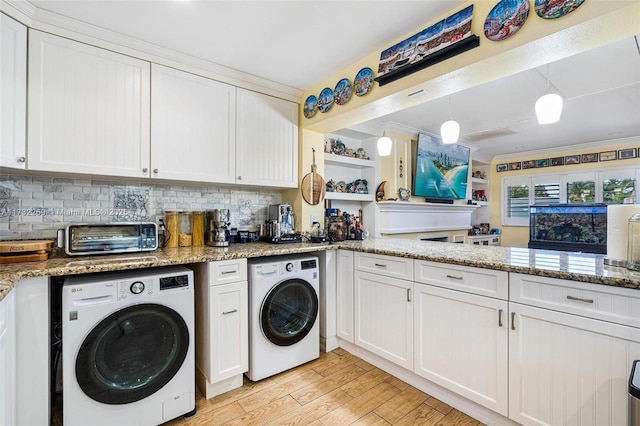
pixel 107 238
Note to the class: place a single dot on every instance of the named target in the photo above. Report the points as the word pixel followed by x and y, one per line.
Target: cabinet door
pixel 266 140
pixel 88 109
pixel 344 273
pixel 7 361
pixel 192 127
pixel 568 370
pixel 384 317
pixel 13 102
pixel 461 344
pixel 229 339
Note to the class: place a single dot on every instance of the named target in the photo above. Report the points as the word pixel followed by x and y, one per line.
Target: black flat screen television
pixel 440 172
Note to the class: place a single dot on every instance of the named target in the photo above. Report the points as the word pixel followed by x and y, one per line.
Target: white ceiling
pixel 294 42
pixel 300 42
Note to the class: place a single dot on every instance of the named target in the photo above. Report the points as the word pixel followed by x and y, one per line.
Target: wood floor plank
pixel 365 382
pixel 371 419
pixel 330 366
pixel 266 413
pixel 218 416
pixel 423 415
pixel 401 404
pixel 396 382
pixel 439 405
pixel 457 418
pixel 327 384
pixel 314 410
pixel 361 405
pixel 278 390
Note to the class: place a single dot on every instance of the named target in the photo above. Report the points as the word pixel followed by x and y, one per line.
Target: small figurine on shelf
pixel 328 145
pixel 380 191
pixel 331 185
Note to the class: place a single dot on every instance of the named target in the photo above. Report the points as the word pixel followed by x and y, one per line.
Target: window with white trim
pixel 609 186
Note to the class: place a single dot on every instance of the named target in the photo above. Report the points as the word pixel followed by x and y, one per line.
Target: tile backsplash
pixel 33 207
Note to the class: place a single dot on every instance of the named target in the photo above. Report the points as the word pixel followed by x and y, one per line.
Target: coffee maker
pixel 280 225
pixel 218 222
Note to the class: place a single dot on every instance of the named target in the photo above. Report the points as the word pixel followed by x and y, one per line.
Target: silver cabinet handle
pixel 379 265
pixel 155 171
pixel 579 299
pixel 228 272
pixel 230 312
pixel 499 317
pixel 453 277
pixel 145 170
pixel 513 321
pixel 408 295
pixel 21 159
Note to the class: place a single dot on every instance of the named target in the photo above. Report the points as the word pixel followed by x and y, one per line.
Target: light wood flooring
pixel 336 389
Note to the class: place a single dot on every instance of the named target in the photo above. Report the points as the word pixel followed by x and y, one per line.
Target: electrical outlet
pixel 314 218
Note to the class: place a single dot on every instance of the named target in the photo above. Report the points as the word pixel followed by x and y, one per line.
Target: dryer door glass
pixel 132 353
pixel 289 312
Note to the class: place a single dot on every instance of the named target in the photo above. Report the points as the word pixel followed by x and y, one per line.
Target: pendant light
pixel 384 146
pixel 549 106
pixel 450 130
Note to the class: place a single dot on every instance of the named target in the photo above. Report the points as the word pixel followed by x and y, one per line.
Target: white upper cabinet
pixel 13 93
pixel 266 140
pixel 88 109
pixel 192 127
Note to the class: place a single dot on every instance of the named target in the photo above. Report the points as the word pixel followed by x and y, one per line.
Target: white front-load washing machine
pixel 128 347
pixel 284 329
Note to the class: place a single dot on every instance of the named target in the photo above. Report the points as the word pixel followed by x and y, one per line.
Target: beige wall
pixel 518 236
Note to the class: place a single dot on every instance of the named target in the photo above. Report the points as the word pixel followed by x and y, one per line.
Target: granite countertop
pixel 582 267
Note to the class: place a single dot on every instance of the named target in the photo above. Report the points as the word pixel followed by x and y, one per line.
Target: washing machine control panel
pixel 134 288
pixel 289 267
pixel 137 287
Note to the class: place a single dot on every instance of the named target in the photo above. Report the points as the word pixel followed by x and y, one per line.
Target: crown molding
pixel 43 20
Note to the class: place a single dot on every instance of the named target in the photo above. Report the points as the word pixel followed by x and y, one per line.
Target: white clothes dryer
pixel 128 347
pixel 284 330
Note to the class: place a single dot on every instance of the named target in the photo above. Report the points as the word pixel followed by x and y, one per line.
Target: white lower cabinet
pixel 568 370
pixel 461 344
pixel 384 317
pixel 571 345
pixel 222 331
pixel 7 361
pixel 344 299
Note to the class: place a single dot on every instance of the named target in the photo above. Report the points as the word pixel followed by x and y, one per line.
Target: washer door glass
pixel 289 312
pixel 132 353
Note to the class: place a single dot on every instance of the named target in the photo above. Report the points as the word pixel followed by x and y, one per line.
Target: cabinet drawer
pixel 608 303
pixel 485 282
pixel 227 271
pixel 389 266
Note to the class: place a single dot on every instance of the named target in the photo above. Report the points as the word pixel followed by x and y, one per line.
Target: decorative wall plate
pixel 554 9
pixel 310 106
pixel 325 100
pixel 342 92
pixel 505 19
pixel 363 81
